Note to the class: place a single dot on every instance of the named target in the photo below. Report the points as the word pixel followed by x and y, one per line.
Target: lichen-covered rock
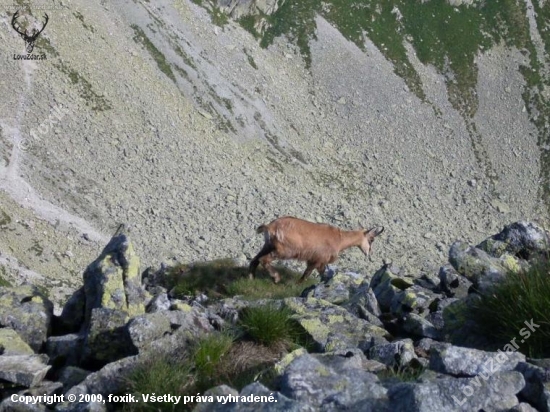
pixel 239 8
pixel 520 239
pixel 28 312
pixel 159 303
pixel 458 326
pixel 397 353
pixel 331 326
pixel 386 283
pixel 364 305
pixel 477 266
pixel 107 338
pixel 113 280
pixel 414 299
pixel 112 378
pixel 146 328
pixel 337 289
pixel 419 326
pixel 45 388
pixel 459 361
pixel 445 393
pixel 341 386
pixel 537 385
pixel 24 370
pixel 452 283
pixel 12 344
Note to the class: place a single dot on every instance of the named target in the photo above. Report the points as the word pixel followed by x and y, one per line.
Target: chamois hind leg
pixel 256 261
pixel 266 263
pixel 321 267
pixel 307 272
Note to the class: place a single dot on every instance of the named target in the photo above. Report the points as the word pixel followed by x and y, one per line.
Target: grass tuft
pixel 222 278
pixel 270 326
pixel 502 313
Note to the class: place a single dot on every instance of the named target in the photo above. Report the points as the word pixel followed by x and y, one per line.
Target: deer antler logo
pixel 29 38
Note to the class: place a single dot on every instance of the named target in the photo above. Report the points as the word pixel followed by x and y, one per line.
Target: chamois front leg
pixel 266 263
pixel 256 261
pixel 307 272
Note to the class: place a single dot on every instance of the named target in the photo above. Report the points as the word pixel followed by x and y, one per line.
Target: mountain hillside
pixel 194 122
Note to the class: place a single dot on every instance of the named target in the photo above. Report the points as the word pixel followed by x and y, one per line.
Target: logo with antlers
pixel 29 38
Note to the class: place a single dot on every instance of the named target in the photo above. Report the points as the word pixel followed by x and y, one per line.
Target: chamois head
pixel 368 238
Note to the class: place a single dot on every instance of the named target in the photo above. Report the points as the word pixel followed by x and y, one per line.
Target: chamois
pixel 317 244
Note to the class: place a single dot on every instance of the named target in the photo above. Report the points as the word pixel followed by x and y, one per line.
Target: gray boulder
pixel 308 380
pixel 146 328
pixel 521 239
pixel 337 289
pixel 364 305
pixel 72 315
pixel 413 299
pixel 445 393
pixel 27 311
pixel 452 283
pixel 24 370
pixel 71 376
pixel 537 385
pixel 65 350
pixel 398 353
pixel 459 361
pixel 386 283
pixel 107 338
pixel 331 326
pixel 420 327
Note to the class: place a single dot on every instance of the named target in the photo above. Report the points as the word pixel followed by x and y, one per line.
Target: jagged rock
pixel 428 281
pixel 481 269
pixel 340 386
pixel 415 299
pixel 65 350
pixel 386 283
pixel 331 326
pixel 419 326
pixel 537 385
pixel 445 393
pixel 113 280
pixel 337 289
pixel 396 353
pixel 7 405
pixel 24 370
pixel 45 388
pixel 364 305
pixel 459 361
pixel 159 303
pixel 144 329
pixel 71 376
pixel 520 239
pixel 12 344
pixel 452 283
pixel 112 378
pixel 458 326
pixel 72 316
pixel 28 312
pixel 107 338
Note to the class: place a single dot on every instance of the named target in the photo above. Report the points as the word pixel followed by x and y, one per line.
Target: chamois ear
pixel 375 231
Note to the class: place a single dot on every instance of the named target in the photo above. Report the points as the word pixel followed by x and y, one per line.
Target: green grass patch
pixel 222 278
pixel 504 313
pixel 156 54
pixel 5 219
pixel 399 373
pixel 3 277
pixel 161 375
pixel 270 325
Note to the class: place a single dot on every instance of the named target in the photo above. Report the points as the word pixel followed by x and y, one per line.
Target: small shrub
pixel 270 325
pixel 502 313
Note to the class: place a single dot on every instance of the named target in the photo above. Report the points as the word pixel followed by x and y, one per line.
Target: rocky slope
pixel 151 114
pixel 387 342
